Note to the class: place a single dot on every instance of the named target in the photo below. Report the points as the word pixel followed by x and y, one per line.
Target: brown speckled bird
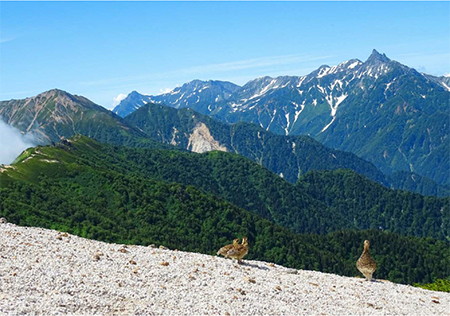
pixel 239 251
pixel 223 251
pixel 365 264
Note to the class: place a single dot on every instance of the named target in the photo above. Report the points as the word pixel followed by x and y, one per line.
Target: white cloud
pixel 13 142
pixel 4 40
pixel 213 69
pixel 166 90
pixel 253 63
pixel 119 98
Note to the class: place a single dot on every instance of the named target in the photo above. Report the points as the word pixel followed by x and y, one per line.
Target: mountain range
pixel 56 114
pixel 383 111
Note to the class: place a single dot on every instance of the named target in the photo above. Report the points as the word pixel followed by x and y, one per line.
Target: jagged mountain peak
pixel 132 101
pixel 198 82
pixel 62 98
pixel 198 85
pixel 258 81
pixel 202 93
pixel 134 93
pixel 262 78
pixel 205 96
pixel 377 57
pixel 52 92
pixel 195 82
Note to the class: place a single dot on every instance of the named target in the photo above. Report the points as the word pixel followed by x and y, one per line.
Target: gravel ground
pixel 44 272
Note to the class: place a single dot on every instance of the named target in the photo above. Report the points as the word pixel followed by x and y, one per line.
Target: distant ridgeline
pixel 56 114
pixel 198 202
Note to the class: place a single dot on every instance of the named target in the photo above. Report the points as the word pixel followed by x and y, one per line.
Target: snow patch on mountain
pixel 323 72
pixel 264 89
pixel 445 86
pixel 328 125
pixel 301 79
pixel 354 64
pixel 297 112
pixel 271 121
pixel 287 123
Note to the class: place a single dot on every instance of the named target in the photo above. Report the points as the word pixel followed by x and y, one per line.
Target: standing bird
pixel 239 251
pixel 223 251
pixel 365 264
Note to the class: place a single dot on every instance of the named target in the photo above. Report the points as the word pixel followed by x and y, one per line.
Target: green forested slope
pixel 373 206
pixel 414 183
pixel 306 208
pixel 299 208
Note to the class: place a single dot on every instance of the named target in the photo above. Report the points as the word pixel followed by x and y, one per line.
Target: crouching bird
pixel 239 251
pixel 366 264
pixel 224 250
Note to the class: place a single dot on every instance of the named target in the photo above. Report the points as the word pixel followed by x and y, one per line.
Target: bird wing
pixel 224 249
pixel 234 251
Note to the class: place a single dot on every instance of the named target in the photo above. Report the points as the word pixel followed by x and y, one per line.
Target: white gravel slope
pixel 43 272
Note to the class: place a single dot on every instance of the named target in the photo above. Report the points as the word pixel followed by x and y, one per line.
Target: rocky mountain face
pixel 202 94
pixel 381 110
pixel 444 81
pixel 132 102
pixel 56 114
pixel 288 156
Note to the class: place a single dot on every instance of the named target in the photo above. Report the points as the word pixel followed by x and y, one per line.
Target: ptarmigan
pixel 239 251
pixel 365 264
pixel 223 251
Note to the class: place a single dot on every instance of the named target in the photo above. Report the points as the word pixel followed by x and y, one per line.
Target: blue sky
pixel 104 49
